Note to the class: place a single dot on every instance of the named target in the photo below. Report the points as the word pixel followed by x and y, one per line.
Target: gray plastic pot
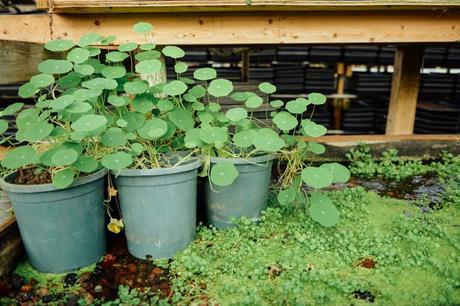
pixel 158 207
pixel 246 197
pixel 62 229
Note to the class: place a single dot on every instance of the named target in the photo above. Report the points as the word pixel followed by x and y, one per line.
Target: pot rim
pixel 245 161
pixel 189 165
pixel 20 188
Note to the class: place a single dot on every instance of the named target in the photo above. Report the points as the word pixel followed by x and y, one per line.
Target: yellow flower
pixel 115 225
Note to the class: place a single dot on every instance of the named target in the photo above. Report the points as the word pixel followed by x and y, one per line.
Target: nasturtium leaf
pixel 244 139
pixel 173 51
pixel 84 94
pixel 86 164
pixel 137 148
pixel 116 56
pixel 136 87
pixel 58 45
pixel 78 55
pixel 322 210
pixel 223 174
pixel 122 123
pixel 180 67
pixel 64 157
pixel 93 51
pixel 114 137
pixel 189 98
pixel 287 196
pixel 96 64
pixel 316 98
pixel 37 131
pixel 182 119
pixel 27 116
pixel 316 148
pixel 108 40
pixel 42 80
pixel 142 104
pixel 175 88
pixel 268 143
pixel 117 161
pixel 214 107
pixel 239 96
pixel 147 46
pixel 197 91
pixel 171 130
pixel 127 47
pixel 135 120
pixel 267 88
pixel 70 80
pixel 84 69
pixel 289 139
pixel 113 72
pixel 153 129
pixel 220 88
pixel 79 108
pixel 142 28
pixel 27 90
pixel 192 138
pixel 147 55
pixel 212 134
pixel 12 109
pixel 165 105
pixel 236 114
pixel 20 157
pixel 205 117
pixel 254 102
pixel 148 66
pixel 317 177
pixel 244 124
pixel 198 106
pixel 63 178
pixel 204 74
pixel 266 132
pixel 285 121
pixel 89 123
pixel 276 103
pixel 53 66
pixel 341 173
pixel 3 126
pixel 131 135
pixel 188 81
pixel 296 106
pixel 88 39
pixel 116 100
pixel 312 129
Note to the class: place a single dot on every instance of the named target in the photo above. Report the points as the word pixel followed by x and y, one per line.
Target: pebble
pixel 70 279
pixel 26 288
pixel 132 268
pixel 98 289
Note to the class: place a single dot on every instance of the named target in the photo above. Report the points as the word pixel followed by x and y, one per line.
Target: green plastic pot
pixel 246 197
pixel 62 229
pixel 158 207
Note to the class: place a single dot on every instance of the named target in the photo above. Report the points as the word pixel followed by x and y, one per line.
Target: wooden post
pixel 338 102
pixel 404 90
pixel 245 66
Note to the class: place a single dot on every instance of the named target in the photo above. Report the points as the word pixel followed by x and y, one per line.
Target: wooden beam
pixel 130 6
pixel 404 90
pixel 246 29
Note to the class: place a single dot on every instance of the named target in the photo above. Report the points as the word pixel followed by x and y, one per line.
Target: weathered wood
pixel 246 29
pixel 11 247
pixel 404 90
pixel 117 6
pixel 19 60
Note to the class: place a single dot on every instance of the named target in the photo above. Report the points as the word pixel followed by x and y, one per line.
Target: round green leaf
pixel 116 100
pixel 153 129
pixel 86 164
pixel 204 74
pixel 117 161
pixel 114 137
pixel 214 107
pixel 127 47
pixel 78 55
pixel 287 196
pixel 173 51
pixel 142 28
pixel 64 157
pixel 165 105
pixel 180 67
pixel 63 178
pixel 137 148
pixel 212 135
pixel 93 51
pixel 316 148
pixel 316 98
pixel 317 177
pixel 70 80
pixel 297 106
pixel 147 46
pixel 236 114
pixel 37 131
pixel 175 88
pixel 84 69
pixel 197 91
pixel 223 174
pixel 312 129
pixel 198 106
pixel 12 109
pixel 240 96
pixel 285 121
pixel 268 143
pixel 244 139
pixel 276 103
pixel 27 90
pixel 254 102
pixel 267 88
pixel 88 39
pixel 20 157
pixel 323 211
pixel 3 126
pixel 220 88
pixel 205 117
pixel 147 55
pixel 135 87
pixel 192 139
pixel 122 123
pixel 182 119
pixel 79 108
pixel 89 123
pixel 135 121
pixel 142 104
pixel 42 80
pixel 58 45
pixel 53 66
pixel 116 56
pixel 148 66
pixel 341 173
pixel 113 72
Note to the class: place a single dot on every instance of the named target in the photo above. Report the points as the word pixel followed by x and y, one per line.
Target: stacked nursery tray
pixel 319 79
pixel 359 118
pixel 434 118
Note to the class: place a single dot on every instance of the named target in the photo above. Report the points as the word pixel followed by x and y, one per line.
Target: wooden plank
pixel 11 247
pixel 248 29
pixel 19 60
pixel 117 6
pixel 404 90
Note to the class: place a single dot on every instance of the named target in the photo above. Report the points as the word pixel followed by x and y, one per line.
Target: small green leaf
pixel 136 87
pixel 197 91
pixel 213 135
pixel 236 114
pixel 214 107
pixel 180 67
pixel 63 178
pixel 220 88
pixel 84 69
pixel 27 90
pixel 175 88
pixel 192 139
pixel 142 28
pixel 147 55
pixel 79 108
pixel 3 126
pixel 12 109
pixel 113 72
pixel 317 177
pixel 58 45
pixel 287 196
pixel 173 51
pixel 254 102
pixel 88 39
pixel 269 143
pixel 20 157
pixel 276 103
pixel 341 173
pixel 285 121
pixel 165 105
pixel 117 161
pixel 322 210
pixel 89 123
pixel 153 129
pixel 223 174
pixel 116 56
pixel 78 55
pixel 267 88
pixel 137 148
pixel 204 74
pixel 116 100
pixel 147 46
pixel 64 157
pixel 53 66
pixel 72 79
pixel 135 120
pixel 316 98
pixel 316 148
pixel 37 131
pixel 127 47
pixel 312 129
pixel 244 139
pixel 114 137
pixel 86 164
pixel 182 119
pixel 148 66
pixel 142 104
pixel 297 106
pixel 42 80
